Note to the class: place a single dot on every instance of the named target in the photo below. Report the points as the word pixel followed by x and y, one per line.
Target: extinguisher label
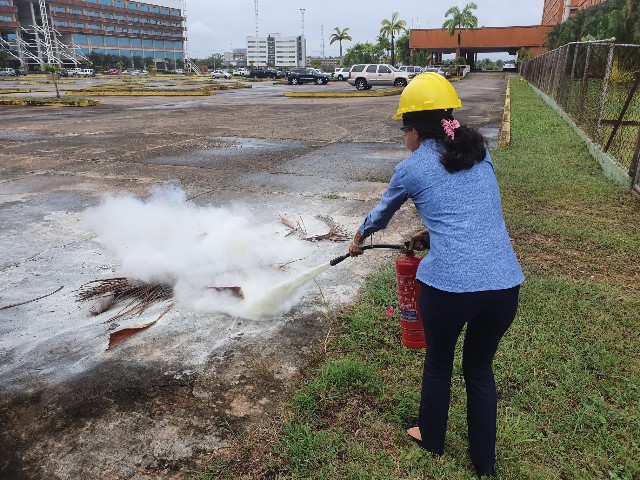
pixel 409 315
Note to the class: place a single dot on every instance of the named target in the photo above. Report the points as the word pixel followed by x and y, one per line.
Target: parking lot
pixel 153 406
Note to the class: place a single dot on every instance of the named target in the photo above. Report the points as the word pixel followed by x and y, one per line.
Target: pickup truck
pixel 241 72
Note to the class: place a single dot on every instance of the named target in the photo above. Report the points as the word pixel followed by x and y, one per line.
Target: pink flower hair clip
pixel 450 127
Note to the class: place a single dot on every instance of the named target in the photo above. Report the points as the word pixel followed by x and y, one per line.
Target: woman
pixel 470 276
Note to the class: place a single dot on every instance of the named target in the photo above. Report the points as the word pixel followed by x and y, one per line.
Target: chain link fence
pixel 597 84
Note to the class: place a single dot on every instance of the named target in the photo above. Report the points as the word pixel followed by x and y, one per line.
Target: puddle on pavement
pixel 235 148
pixel 19 135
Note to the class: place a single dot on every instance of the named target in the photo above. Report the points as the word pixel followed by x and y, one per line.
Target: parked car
pixel 112 71
pixel 20 71
pixel 437 70
pixel 7 72
pixel 509 67
pixel 86 72
pixel 366 75
pixel 139 73
pixel 412 70
pixel 263 73
pixel 341 73
pixel 73 72
pixel 307 75
pixel 241 72
pixel 220 74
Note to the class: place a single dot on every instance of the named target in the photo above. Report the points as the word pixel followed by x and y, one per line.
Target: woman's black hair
pixel 463 152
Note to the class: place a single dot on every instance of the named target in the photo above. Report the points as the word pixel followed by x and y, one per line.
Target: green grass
pixel 49 101
pixel 567 371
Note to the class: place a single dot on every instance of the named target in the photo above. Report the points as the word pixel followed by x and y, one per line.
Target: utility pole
pixel 302 12
pixel 322 41
pixel 185 53
pixel 256 2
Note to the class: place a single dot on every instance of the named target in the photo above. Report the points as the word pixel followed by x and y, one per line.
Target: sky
pixel 217 26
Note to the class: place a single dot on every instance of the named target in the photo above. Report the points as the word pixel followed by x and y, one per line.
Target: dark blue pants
pixel 487 315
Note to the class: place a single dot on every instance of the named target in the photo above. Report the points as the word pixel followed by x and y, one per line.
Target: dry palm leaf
pixel 124 333
pixel 336 233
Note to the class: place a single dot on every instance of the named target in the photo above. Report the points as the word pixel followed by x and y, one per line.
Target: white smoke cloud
pixel 165 239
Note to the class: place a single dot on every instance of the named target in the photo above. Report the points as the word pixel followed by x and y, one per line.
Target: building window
pixel 105 2
pixel 79 38
pixel 118 3
pixel 93 14
pixel 53 9
pixel 132 6
pixel 155 9
pixel 75 11
pixel 166 11
pixel 77 25
pixel 144 8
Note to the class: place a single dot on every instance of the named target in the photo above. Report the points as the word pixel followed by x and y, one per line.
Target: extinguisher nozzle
pixel 339 259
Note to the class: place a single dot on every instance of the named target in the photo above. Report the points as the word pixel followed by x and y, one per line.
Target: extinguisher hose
pixel 339 259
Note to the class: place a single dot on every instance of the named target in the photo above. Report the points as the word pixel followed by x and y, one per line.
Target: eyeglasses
pixel 406 129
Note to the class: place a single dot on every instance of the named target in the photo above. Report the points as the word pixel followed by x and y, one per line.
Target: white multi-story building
pixel 276 50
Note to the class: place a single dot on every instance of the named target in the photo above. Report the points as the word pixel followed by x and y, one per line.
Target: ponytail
pixel 461 152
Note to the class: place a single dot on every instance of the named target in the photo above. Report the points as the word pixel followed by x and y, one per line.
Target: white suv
pixel 367 75
pixel 85 72
pixel 412 70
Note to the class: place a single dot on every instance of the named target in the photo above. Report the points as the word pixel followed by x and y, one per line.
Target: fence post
pixel 635 160
pixel 583 87
pixel 604 92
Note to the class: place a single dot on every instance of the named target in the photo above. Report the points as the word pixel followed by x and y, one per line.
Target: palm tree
pixel 340 36
pixel 460 19
pixel 390 28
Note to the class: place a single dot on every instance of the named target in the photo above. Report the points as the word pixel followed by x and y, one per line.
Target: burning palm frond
pixel 336 233
pixel 110 291
pixel 124 333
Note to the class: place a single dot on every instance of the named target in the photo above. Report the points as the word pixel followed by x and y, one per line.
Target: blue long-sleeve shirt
pixel 470 247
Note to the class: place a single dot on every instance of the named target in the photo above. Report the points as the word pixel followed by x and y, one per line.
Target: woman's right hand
pixel 420 241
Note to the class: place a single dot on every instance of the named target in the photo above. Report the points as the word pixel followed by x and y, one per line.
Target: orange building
pixel 480 40
pixel 557 11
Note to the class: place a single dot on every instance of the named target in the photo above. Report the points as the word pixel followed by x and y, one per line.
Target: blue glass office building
pixel 76 28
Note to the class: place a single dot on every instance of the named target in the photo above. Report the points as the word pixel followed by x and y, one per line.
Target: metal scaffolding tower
pixel 47 34
pixel 188 64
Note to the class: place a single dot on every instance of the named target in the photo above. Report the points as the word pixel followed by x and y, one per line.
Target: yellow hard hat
pixel 427 91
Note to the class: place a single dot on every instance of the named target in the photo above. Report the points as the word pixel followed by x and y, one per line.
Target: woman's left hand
pixel 355 248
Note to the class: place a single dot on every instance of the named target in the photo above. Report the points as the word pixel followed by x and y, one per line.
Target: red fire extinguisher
pixel 408 288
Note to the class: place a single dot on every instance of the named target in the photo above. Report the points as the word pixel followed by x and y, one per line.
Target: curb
pixel 377 93
pixel 141 94
pixel 504 140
